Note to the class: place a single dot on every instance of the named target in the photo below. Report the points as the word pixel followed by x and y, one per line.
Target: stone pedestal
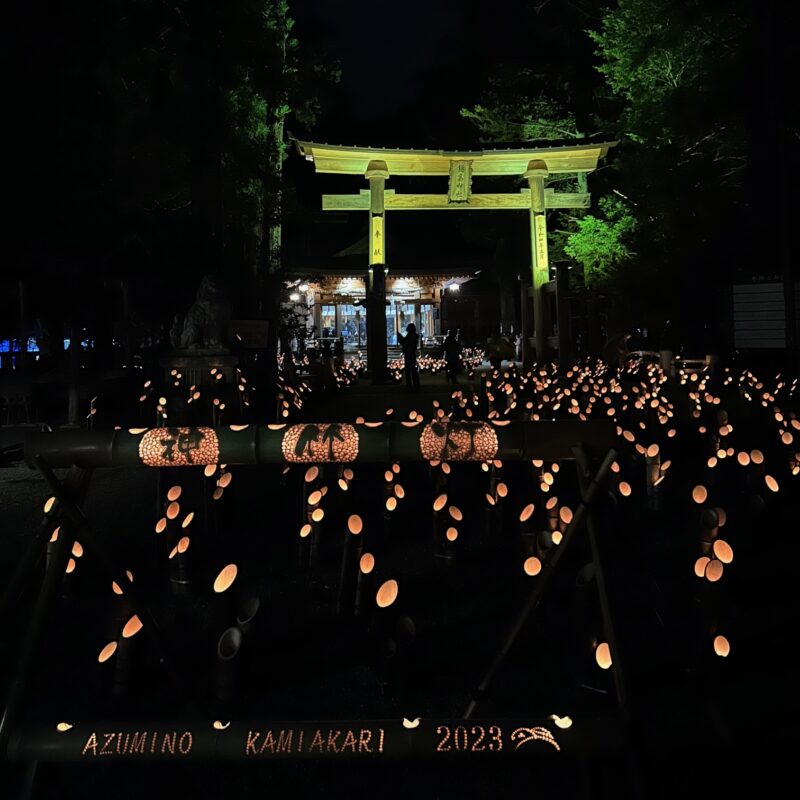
pixel 195 366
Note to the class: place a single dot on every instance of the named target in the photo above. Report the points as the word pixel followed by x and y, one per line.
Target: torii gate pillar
pixel 376 174
pixel 536 174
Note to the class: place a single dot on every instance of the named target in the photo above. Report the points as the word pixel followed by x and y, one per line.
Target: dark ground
pixel 701 722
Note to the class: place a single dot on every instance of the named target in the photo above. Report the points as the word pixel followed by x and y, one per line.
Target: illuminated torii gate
pixel 377 165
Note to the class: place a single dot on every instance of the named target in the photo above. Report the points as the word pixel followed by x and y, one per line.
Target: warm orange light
pixel 565 514
pixel 48 505
pixel 772 484
pixel 132 627
pixel 387 594
pixel 107 652
pixel 329 442
pixel 305 530
pixel 602 655
pixel 348 474
pixel 173 509
pixel 526 513
pixel 756 456
pixel 625 489
pixel 391 503
pixel 399 492
pixel 699 494
pixel 209 470
pixel 183 544
pixel 355 524
pixel 174 493
pixel 700 566
pixel 722 646
pixel 440 502
pixel 314 497
pixel 77 549
pixel 451 534
pixel 63 727
pixel 652 451
pixel 714 570
pixel 366 563
pixel 723 551
pixel 455 513
pixel 317 515
pixel 70 566
pixel 743 459
pixel 225 578
pixel 187 520
pixel 557 537
pixel 551 503
pixel 225 480
pixel 532 566
pixel 502 490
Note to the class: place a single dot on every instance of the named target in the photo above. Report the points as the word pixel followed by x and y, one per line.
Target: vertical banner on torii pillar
pixel 376 253
pixel 541 264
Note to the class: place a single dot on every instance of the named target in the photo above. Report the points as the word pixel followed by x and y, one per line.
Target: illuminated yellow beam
pixel 436 202
pixel 343 160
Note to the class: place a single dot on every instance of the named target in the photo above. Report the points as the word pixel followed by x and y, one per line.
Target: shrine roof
pixel 563 156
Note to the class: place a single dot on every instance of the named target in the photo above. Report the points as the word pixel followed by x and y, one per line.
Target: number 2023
pixel 469 739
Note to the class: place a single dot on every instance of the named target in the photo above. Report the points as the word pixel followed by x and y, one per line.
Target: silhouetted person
pixel 409 343
pixel 452 356
pixel 338 352
pixel 327 363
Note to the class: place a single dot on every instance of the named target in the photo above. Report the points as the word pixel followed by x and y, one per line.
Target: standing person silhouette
pixel 409 343
pixel 452 356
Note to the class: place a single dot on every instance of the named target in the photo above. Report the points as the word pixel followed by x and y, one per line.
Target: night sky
pixel 407 68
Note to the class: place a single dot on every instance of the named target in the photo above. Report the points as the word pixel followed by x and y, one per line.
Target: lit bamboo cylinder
pixel 352 550
pixel 365 582
pixel 652 469
pixel 445 532
pixel 385 616
pixel 552 513
pixel 527 531
pixel 126 656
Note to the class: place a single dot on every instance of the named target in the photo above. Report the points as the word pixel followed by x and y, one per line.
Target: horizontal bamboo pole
pixel 177 740
pixel 309 443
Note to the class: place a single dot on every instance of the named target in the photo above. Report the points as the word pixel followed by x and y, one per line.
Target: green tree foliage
pixel 601 243
pixel 675 67
pixel 510 112
pixel 674 75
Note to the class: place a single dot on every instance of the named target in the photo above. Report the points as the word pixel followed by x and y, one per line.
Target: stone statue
pixel 205 325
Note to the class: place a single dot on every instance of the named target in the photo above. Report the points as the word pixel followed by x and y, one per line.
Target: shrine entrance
pixel 533 164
